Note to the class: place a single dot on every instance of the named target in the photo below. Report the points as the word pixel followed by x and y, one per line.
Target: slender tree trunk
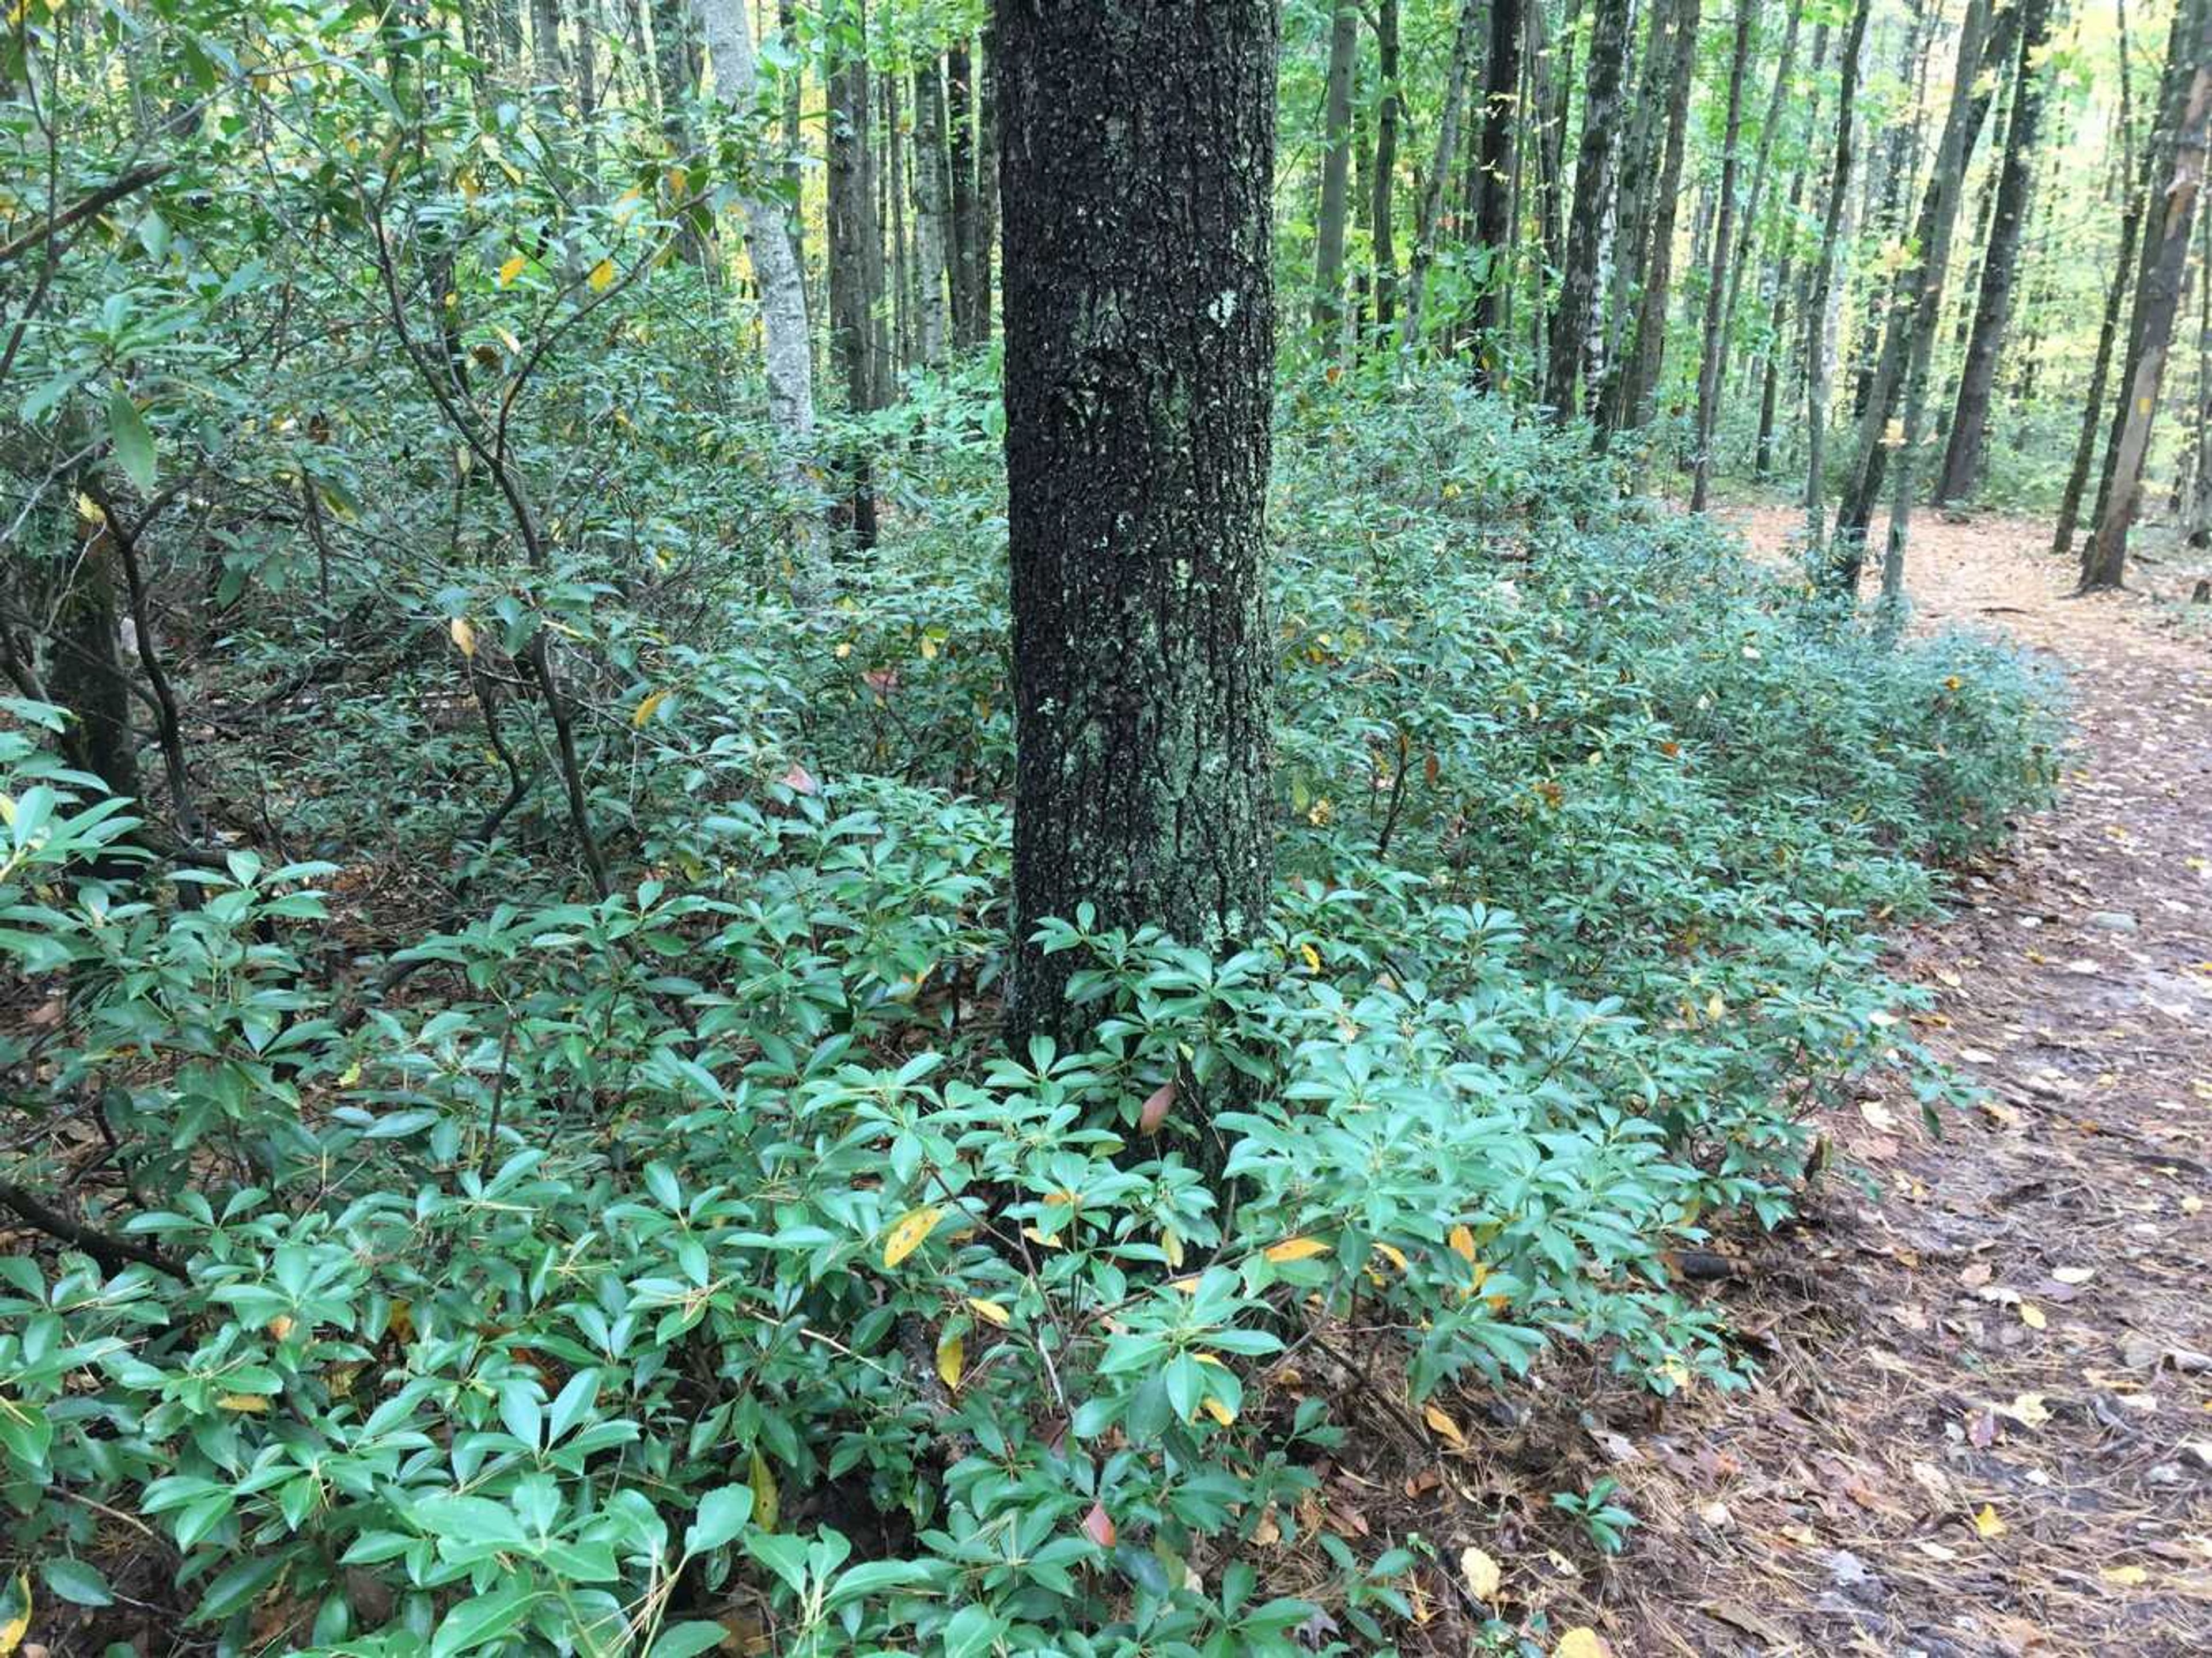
pixel 1548 97
pixel 1916 296
pixel 2157 304
pixel 1786 69
pixel 787 347
pixel 1440 167
pixel 2198 521
pixel 1639 382
pixel 960 130
pixel 1335 175
pixel 1817 389
pixel 87 677
pixel 2116 295
pixel 1639 171
pixel 1494 160
pixel 1715 333
pixel 1386 165
pixel 895 188
pixel 2158 161
pixel 1946 184
pixel 1568 354
pixel 856 251
pixel 1138 393
pixel 1964 456
pixel 932 206
pixel 986 181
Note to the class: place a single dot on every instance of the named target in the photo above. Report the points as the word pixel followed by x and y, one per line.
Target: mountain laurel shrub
pixel 698 1261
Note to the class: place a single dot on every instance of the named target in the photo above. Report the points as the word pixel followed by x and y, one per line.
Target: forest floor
pixel 1983 1418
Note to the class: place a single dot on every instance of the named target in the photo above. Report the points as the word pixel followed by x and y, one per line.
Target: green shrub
pixel 640 1258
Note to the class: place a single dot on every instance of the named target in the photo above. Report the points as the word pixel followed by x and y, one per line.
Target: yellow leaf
pixel 464 634
pixel 645 708
pixel 1581 1643
pixel 2126 1577
pixel 1480 1572
pixel 928 648
pixel 1987 1523
pixel 1393 1253
pixel 990 1311
pixel 1463 1243
pixel 14 1613
pixel 906 1237
pixel 951 1355
pixel 252 1404
pixel 1312 955
pixel 1443 1424
pixel 511 270
pixel 768 1502
pixel 602 277
pixel 1171 1247
pixel 2031 1315
pixel 1220 1412
pixel 1295 1250
pixel 506 339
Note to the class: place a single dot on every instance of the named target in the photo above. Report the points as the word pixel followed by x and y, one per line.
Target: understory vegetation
pixel 465 1264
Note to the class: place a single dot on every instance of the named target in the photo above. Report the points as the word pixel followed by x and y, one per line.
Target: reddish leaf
pixel 1098 1526
pixel 1157 1107
pixel 800 780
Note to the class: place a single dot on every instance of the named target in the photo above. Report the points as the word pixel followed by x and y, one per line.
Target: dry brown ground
pixel 1984 1423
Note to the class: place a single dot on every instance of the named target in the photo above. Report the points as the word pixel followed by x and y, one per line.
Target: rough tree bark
pixel 2105 561
pixel 1965 452
pixel 1137 176
pixel 1568 358
pixel 1335 175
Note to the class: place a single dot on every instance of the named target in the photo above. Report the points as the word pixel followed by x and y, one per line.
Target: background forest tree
pixel 777 773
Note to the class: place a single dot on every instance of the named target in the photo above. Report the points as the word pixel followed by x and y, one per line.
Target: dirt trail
pixel 1984 1423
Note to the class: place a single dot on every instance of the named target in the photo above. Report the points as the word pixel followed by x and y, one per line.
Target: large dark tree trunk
pixel 1386 164
pixel 1335 175
pixel 1137 172
pixel 1568 355
pixel 856 252
pixel 1966 453
pixel 1647 349
pixel 2105 561
pixel 1494 160
pixel 1714 336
